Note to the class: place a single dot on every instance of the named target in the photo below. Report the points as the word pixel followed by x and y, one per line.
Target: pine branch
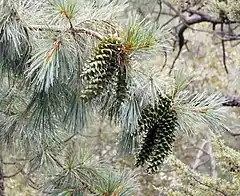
pixel 117 182
pixel 56 29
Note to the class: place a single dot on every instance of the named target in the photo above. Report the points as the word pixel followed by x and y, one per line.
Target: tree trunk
pixel 1 176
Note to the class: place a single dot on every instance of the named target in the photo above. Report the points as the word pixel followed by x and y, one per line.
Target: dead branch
pixel 190 17
pixel 232 101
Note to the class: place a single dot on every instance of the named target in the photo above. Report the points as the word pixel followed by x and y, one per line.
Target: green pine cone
pixel 102 67
pixel 117 93
pixel 148 130
pixel 120 88
pixel 157 129
pixel 147 146
pixel 165 139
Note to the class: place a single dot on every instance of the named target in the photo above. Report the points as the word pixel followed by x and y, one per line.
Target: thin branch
pixel 56 161
pixel 233 134
pixel 89 32
pixel 9 163
pixel 170 20
pixel 170 6
pixel 15 174
pixel 224 52
pixel 193 175
pixel 232 101
pixel 90 136
pixel 72 30
pixel 209 186
pixel 199 155
pixel 159 2
pixel 197 17
pixel 165 60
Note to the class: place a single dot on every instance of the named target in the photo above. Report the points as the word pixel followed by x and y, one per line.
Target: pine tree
pixel 64 63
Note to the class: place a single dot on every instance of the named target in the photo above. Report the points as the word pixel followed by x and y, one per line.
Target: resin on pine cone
pixel 103 67
pixel 156 128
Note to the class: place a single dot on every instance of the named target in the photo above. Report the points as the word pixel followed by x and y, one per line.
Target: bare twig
pixel 170 20
pixel 189 17
pixel 165 60
pixel 232 101
pixel 159 2
pixel 224 52
pixel 15 174
pixel 204 184
pixel 233 134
